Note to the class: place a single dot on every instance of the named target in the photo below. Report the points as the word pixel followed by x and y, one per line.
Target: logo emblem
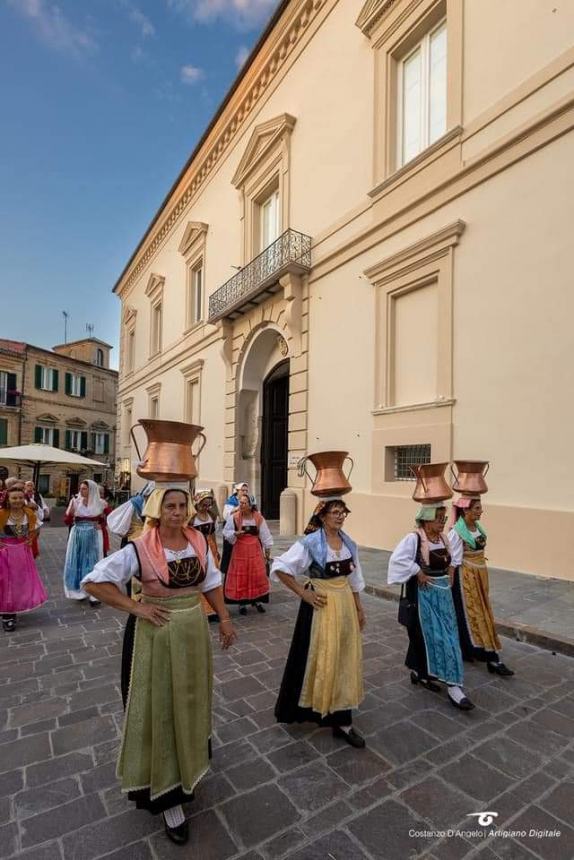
pixel 484 818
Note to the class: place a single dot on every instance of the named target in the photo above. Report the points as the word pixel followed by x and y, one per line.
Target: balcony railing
pixel 291 252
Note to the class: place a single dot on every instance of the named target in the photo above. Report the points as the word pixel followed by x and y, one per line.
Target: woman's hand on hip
pixel 157 615
pixel 423 579
pixel 314 599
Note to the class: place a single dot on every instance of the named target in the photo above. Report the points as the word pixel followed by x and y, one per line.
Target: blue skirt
pixel 83 552
pixel 439 628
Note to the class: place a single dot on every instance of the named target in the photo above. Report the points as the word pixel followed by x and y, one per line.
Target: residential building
pixel 369 250
pixel 64 397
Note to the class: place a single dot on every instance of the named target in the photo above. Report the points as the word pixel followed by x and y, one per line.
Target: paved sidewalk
pixel 534 609
pixel 275 792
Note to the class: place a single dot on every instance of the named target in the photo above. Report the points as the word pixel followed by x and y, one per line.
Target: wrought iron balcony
pixel 291 252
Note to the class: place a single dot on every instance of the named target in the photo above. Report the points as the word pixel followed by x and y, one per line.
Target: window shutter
pixel 106 443
pixel 11 390
pixel 82 386
pixel 38 435
pixel 38 376
pixel 83 440
pixel 54 380
pixel 68 383
pixel 56 438
pixel 68 437
pixel 3 431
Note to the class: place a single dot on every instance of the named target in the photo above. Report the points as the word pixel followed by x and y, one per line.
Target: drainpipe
pixel 22 397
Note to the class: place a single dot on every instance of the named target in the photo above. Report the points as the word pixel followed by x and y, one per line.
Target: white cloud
pixel 191 74
pixel 53 28
pixel 138 18
pixel 245 14
pixel 241 56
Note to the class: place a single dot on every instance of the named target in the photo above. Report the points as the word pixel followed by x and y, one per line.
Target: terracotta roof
pixel 12 345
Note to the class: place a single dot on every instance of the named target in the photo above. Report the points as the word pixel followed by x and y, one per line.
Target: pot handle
pixel 135 442
pixel 302 468
pixel 418 476
pixel 352 466
pixel 202 446
pixel 484 474
pixel 453 473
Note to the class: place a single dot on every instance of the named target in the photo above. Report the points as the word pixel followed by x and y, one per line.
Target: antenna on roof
pixel 65 314
pixel 90 329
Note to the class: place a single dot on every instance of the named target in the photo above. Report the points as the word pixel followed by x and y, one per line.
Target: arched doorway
pixel 274 439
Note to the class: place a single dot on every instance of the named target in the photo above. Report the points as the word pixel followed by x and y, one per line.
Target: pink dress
pixel 21 588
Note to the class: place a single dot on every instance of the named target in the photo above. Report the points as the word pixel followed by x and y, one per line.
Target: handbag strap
pixel 402 590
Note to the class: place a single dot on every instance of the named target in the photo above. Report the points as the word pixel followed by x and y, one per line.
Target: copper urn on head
pixel 469 477
pixel 330 479
pixel 431 486
pixel 169 455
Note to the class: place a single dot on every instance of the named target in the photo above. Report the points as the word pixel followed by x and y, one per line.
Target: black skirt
pixel 469 651
pixel 141 798
pixel 287 709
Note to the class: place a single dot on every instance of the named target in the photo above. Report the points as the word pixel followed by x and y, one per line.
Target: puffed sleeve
pixel 229 531
pixel 213 577
pixel 295 562
pixel 402 564
pixel 456 547
pixel 117 568
pixel 265 535
pixel 120 520
pixel 356 579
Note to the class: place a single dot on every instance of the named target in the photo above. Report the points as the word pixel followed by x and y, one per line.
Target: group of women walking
pixel 166 674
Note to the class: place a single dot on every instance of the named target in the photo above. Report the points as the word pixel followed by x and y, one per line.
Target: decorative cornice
pixel 371 14
pixel 154 286
pixel 263 138
pixel 195 230
pixel 130 314
pixel 229 129
pixel 154 389
pixel 435 244
pixel 76 422
pixel 192 369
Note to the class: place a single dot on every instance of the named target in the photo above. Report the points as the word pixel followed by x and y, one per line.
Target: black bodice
pixel 343 567
pixel 439 561
pixel 206 528
pixel 185 572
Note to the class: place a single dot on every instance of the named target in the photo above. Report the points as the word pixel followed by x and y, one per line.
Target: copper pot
pixel 168 456
pixel 330 479
pixel 431 486
pixel 470 478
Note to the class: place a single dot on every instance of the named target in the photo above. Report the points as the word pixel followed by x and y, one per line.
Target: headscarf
pixel 138 500
pixel 315 522
pixel 212 510
pixel 152 507
pixel 316 542
pixel 233 499
pixel 426 514
pixel 95 504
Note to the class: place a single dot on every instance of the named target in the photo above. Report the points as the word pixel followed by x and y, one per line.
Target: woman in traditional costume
pixel 230 507
pixel 21 588
pixel 323 678
pixel 422 562
pixel 476 627
pixel 166 663
pixel 246 581
pixel 205 521
pixel 86 541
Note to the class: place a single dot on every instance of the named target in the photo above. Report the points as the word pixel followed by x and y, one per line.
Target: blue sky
pixel 101 103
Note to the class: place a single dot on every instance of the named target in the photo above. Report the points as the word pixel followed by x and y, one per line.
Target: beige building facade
pixel 65 397
pixel 369 251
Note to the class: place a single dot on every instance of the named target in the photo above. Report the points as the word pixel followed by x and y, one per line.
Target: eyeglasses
pixel 342 514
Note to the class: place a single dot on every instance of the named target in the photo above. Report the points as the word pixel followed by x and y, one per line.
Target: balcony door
pixel 274 442
pixel 269 226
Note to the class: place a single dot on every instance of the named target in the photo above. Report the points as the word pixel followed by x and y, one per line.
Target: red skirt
pixel 246 579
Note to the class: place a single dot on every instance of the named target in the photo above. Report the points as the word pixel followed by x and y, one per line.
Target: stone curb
pixel 512 629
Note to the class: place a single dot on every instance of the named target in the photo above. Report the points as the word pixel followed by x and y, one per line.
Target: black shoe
pixel 179 834
pixel 499 669
pixel 259 607
pixel 352 737
pixel 425 682
pixel 9 624
pixel 243 610
pixel 464 705
pixel 95 603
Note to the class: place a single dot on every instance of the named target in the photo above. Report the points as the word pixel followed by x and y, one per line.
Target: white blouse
pixel 402 564
pixel 123 564
pixel 457 545
pixel 264 534
pixel 297 561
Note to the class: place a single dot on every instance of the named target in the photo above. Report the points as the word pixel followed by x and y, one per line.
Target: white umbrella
pixel 38 455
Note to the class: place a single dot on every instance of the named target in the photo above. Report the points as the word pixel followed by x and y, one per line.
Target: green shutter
pixel 3 431
pixel 38 376
pixel 68 438
pixel 106 443
pixel 54 380
pixel 11 390
pixel 82 386
pixel 56 438
pixel 38 435
pixel 68 384
pixel 83 440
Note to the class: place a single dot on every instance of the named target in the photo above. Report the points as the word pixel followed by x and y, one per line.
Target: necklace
pixel 19 526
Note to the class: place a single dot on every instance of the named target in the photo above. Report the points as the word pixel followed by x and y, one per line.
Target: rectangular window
pixel 156 324
pixel 154 407
pixel 44 435
pixel 422 90
pixel 131 350
pixel 75 385
pixel 101 443
pixel 3 387
pixel 76 440
pixel 127 425
pixel 270 225
pixel 192 401
pixel 406 456
pixel 44 485
pixel 3 431
pixel 46 378
pixel 196 297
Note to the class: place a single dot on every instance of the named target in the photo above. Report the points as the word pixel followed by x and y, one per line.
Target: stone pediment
pixel 154 285
pixel 195 230
pixel 47 418
pixel 371 14
pixel 130 314
pixel 263 138
pixel 75 422
pixel 99 425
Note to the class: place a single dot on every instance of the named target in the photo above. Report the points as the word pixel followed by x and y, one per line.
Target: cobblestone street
pixel 278 792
